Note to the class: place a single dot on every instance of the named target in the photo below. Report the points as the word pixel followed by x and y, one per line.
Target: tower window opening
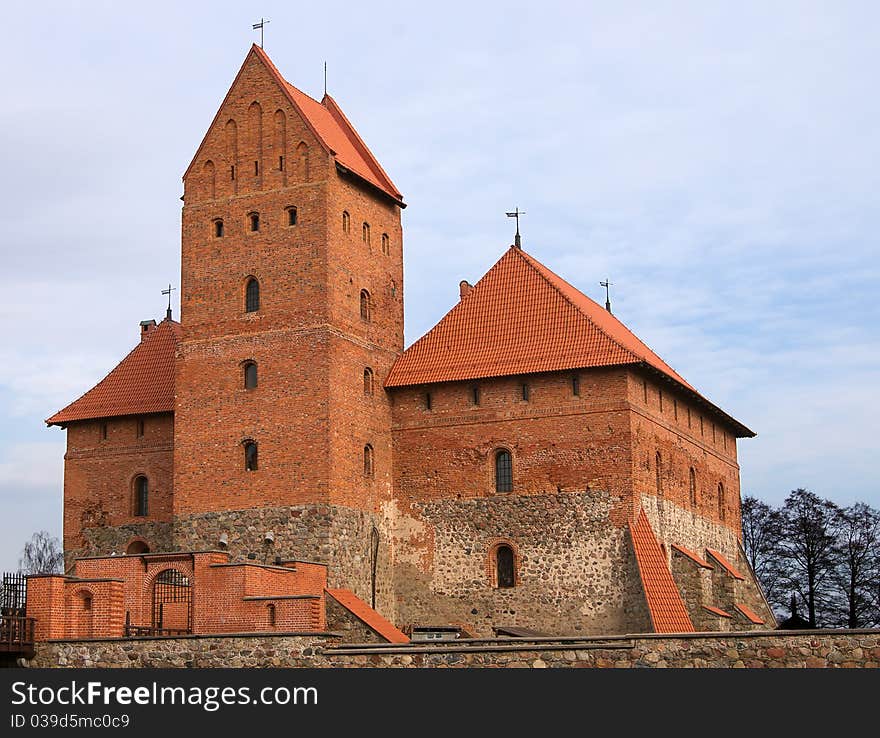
pixel 250 456
pixel 504 567
pixel 368 460
pixel 139 428
pixel 503 471
pixel 428 401
pixel 141 496
pixel 252 296
pixel 368 382
pixel 346 222
pixel 291 216
pixel 366 307
pixel 232 172
pixel 255 221
pixel 280 163
pixel 658 463
pixel 576 384
pixel 475 395
pixel 250 375
pixel 386 244
pixel 525 391
pixel 218 228
pixel 721 510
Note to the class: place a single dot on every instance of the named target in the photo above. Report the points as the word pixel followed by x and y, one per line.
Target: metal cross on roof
pixel 168 292
pixel 263 22
pixel 515 214
pixel 607 285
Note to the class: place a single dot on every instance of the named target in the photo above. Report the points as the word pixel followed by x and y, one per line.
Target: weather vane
pixel 168 292
pixel 263 22
pixel 515 214
pixel 607 285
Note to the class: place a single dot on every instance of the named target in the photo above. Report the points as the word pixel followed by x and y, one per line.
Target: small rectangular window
pixel 525 391
pixel 475 395
pixel 103 431
pixel 645 391
pixel 576 384
pixel 256 168
pixel 675 409
pixel 280 163
pixel 291 216
pixel 660 397
pixel 427 400
pixel 232 172
pixel 140 429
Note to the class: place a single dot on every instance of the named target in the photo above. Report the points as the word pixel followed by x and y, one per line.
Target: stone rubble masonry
pixel 754 649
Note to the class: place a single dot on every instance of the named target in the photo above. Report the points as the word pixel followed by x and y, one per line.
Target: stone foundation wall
pixel 107 539
pixel 571 573
pixel 769 649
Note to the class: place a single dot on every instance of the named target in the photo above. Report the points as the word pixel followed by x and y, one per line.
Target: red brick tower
pixel 292 315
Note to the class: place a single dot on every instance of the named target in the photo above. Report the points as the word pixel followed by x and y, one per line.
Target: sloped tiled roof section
pixel 521 318
pixel 668 613
pixel 143 382
pixel 717 611
pixel 332 129
pixel 749 613
pixel 721 559
pixel 692 556
pixel 367 615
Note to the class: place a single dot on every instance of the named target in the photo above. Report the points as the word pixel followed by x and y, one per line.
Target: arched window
pixel 504 566
pixel 366 307
pixel 218 228
pixel 270 613
pixel 365 233
pixel 368 381
pixel 386 244
pixel 250 455
pixel 291 216
pixel 368 460
pixel 254 219
pixel 250 375
pixel 693 484
pixel 252 295
pixel 658 463
pixel 503 471
pixel 141 496
pixel 721 511
pixel 346 222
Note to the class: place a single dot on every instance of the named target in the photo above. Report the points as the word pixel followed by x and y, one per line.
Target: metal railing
pixel 16 634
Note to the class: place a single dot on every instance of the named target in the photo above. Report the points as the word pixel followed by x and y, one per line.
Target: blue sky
pixel 718 161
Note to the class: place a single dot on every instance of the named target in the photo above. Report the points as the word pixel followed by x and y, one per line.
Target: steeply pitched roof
pixel 692 556
pixel 332 129
pixel 750 614
pixel 668 613
pixel 367 615
pixel 143 382
pixel 521 318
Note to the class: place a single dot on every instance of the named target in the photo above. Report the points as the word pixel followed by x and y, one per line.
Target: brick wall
pixel 99 483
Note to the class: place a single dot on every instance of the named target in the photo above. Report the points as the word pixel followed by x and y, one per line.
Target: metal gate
pixel 172 603
pixel 13 597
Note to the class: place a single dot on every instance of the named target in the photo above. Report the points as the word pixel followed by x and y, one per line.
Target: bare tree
pixel 762 530
pixel 857 577
pixel 42 555
pixel 808 551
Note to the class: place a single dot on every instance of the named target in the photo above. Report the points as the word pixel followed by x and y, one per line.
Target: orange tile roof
pixel 691 555
pixel 367 615
pixel 749 613
pixel 143 382
pixel 668 613
pixel 725 563
pixel 521 318
pixel 717 611
pixel 332 129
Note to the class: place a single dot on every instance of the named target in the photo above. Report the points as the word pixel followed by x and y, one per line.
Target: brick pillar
pixel 45 603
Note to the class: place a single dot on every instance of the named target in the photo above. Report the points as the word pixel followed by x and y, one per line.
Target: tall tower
pixel 292 315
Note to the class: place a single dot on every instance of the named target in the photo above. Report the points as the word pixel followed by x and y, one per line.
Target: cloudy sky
pixel 719 161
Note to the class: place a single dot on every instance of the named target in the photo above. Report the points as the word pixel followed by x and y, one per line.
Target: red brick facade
pixel 298 428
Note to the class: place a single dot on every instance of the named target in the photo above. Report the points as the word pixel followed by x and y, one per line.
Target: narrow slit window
pixel 291 216
pixel 250 456
pixel 368 382
pixel 346 222
pixel 504 564
pixel 658 463
pixel 475 395
pixel 386 244
pixel 503 471
pixel 250 375
pixel 139 428
pixel 693 487
pixel 255 221
pixel 270 611
pixel 218 228
pixel 141 496
pixel 252 296
pixel 645 391
pixel 366 307
pixel 576 384
pixel 280 163
pixel 525 391
pixel 428 401
pixel 365 233
pixel 660 398
pixel 721 510
pixel 232 172
pixel 368 460
pixel 103 431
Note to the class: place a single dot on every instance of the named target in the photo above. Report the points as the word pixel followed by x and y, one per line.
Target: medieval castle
pixel 527 464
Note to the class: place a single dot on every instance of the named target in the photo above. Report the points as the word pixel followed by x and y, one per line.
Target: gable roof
pixel 521 318
pixel 368 616
pixel 328 123
pixel 667 610
pixel 143 382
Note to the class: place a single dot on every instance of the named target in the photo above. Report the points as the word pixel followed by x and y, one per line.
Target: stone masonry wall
pixel 569 558
pixel 769 649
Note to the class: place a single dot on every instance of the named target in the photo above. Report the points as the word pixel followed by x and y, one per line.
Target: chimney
pixel 146 327
pixel 464 287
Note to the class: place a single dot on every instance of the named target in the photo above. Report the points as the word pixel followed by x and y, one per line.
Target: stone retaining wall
pixel 754 649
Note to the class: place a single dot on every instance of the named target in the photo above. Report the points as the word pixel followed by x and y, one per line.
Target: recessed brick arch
pixel 492 561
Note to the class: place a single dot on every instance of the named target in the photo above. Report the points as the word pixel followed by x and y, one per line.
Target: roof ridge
pixel 528 258
pixel 336 111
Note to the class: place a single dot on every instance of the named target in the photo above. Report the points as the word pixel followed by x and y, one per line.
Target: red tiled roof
pixel 717 611
pixel 749 613
pixel 725 563
pixel 691 555
pixel 367 615
pixel 521 318
pixel 330 126
pixel 143 382
pixel 668 613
